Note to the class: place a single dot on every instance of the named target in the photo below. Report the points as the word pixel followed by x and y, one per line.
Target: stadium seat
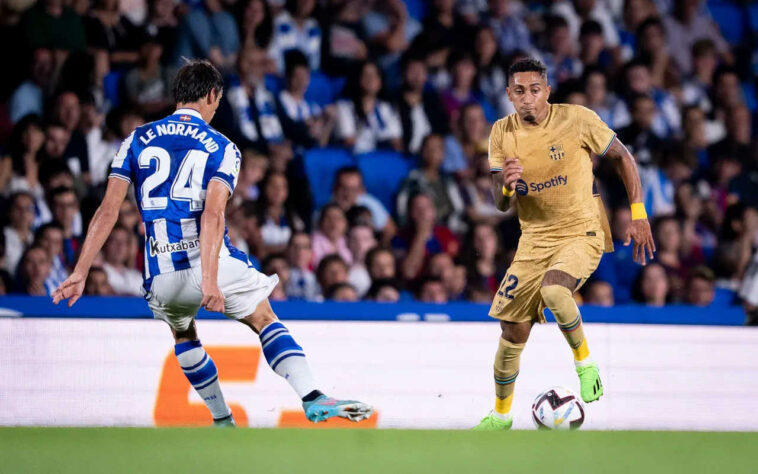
pixel 274 84
pixel 320 90
pixel 321 164
pixel 730 19
pixel 383 172
pixel 112 86
pixel 753 17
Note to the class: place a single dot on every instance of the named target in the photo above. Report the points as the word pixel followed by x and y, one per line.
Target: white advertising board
pixel 99 372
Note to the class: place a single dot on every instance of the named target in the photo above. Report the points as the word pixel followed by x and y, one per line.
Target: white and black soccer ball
pixel 557 408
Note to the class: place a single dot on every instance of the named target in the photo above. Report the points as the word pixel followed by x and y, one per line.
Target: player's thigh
pixel 578 257
pixel 243 286
pixel 518 298
pixel 175 298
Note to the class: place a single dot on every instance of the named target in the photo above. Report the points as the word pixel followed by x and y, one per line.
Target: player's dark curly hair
pixel 528 65
pixel 195 80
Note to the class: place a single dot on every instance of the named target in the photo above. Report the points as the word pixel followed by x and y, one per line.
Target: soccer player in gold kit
pixel 540 157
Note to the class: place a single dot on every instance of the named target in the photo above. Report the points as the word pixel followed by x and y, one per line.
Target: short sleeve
pixel 121 166
pixel 496 151
pixel 345 121
pixel 596 135
pixel 229 169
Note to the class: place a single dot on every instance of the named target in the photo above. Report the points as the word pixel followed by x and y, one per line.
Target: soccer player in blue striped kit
pixel 184 172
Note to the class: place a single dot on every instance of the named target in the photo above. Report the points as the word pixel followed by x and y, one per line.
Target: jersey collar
pixel 187 111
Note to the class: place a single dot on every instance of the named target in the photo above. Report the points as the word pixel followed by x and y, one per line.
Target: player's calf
pixel 202 374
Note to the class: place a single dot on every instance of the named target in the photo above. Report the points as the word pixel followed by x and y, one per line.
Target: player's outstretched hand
pixel 639 231
pixel 512 171
pixel 213 299
pixel 70 289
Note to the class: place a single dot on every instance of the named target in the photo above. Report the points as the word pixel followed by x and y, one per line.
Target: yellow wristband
pixel 638 211
pixel 507 193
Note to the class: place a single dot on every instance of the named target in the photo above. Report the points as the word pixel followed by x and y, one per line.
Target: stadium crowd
pixel 363 127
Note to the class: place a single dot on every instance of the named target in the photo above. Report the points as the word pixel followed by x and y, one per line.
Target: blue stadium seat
pixel 383 172
pixel 112 86
pixel 274 84
pixel 753 16
pixel 730 19
pixel 417 9
pixel 321 164
pixel 320 89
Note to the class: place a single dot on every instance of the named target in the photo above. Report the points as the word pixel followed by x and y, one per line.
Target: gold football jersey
pixel 554 197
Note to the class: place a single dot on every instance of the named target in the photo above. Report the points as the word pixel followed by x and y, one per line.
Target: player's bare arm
pixel 100 227
pixel 504 183
pixel 211 237
pixel 639 230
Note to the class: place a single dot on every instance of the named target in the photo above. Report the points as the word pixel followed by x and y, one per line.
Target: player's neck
pixel 205 113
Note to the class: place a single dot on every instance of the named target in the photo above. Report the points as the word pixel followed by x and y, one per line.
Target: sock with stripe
pixel 287 359
pixel 201 372
pixel 561 302
pixel 507 360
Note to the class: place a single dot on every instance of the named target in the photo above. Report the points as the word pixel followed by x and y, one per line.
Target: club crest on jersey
pixel 556 152
pixel 185 118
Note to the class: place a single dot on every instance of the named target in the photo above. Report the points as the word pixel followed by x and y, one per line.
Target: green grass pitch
pixel 208 451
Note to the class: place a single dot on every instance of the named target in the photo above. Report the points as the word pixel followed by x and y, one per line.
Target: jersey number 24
pixel 187 185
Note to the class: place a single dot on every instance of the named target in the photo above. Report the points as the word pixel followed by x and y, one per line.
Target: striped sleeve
pixel 121 166
pixel 228 170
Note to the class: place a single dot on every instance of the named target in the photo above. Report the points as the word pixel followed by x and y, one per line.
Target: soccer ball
pixel 557 408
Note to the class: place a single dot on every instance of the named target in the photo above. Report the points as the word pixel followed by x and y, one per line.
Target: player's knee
pixel 515 333
pixel 260 318
pixel 555 295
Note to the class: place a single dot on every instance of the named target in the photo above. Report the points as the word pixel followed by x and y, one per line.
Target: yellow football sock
pixel 561 303
pixel 507 360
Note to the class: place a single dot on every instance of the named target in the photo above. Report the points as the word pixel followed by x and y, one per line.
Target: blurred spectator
pixel 452 276
pixel 66 115
pixel 477 195
pixel 252 171
pixel 638 79
pixel 341 292
pixel 422 236
pixel 639 136
pixel 384 291
pixel 700 286
pixel 119 258
pixel 330 237
pixel 618 268
pixel 668 245
pixel 256 26
pixel 50 238
pixel 507 23
pixel 364 122
pixel 420 109
pixel 431 290
pixel 749 292
pixel 738 142
pixel 295 29
pixel 579 12
pixel 444 22
pixel 697 88
pixel 304 122
pixel 302 283
pixel 430 180
pixel 651 287
pixel 598 293
pixel 65 208
pixel 111 32
pixel 381 265
pixel 687 24
pixel 276 263
pixel 634 13
pixel 162 25
pixel 18 233
pixel 461 91
pixel 349 192
pixel 471 137
pixel 738 237
pixel 253 107
pixel 560 56
pixel 345 40
pixel 51 24
pixel 652 45
pixel 389 30
pixel 29 97
pixel 593 52
pixel 604 102
pixel 481 253
pixel 492 78
pixel 331 270
pixel 360 239
pixel 148 85
pixel 276 219
pixel 25 147
pixel 208 32
pixel 33 275
pixel 97 283
pixel 698 240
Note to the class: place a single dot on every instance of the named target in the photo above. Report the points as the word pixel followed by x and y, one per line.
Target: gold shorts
pixel 518 299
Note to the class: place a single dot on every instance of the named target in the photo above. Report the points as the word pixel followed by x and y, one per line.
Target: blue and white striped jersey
pixel 171 161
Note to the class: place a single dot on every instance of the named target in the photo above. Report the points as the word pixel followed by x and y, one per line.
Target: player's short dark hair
pixel 294 59
pixel 195 80
pixel 528 65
